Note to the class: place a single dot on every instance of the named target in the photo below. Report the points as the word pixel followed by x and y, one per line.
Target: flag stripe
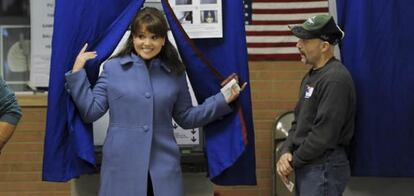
pixel 265 45
pixel 289 11
pixel 261 17
pixel 267 34
pixel 279 22
pixel 271 39
pixel 280 50
pixel 253 33
pixel 266 57
pixel 290 5
pixel 283 27
pixel 285 1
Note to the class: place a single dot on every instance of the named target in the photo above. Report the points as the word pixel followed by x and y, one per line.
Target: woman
pixel 143 87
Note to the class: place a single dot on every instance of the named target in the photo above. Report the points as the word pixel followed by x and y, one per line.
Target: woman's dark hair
pixel 154 21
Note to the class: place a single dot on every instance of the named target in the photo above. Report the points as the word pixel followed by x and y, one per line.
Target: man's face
pixel 310 50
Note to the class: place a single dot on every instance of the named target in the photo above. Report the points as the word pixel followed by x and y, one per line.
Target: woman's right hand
pixel 82 57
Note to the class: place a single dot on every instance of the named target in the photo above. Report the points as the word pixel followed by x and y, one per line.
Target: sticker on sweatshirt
pixel 309 91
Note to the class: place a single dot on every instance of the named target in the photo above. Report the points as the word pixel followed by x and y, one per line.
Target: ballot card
pixel 226 89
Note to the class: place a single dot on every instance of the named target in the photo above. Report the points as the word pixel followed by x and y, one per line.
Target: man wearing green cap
pixel 324 115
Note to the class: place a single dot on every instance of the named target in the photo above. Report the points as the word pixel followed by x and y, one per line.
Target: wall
pixel 21 159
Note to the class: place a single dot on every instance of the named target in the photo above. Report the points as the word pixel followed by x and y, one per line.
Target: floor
pixel 195 184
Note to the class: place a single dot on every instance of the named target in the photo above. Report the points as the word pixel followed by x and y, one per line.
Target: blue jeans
pixel 328 177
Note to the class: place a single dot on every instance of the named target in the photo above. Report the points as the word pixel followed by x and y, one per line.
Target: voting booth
pixel 190 141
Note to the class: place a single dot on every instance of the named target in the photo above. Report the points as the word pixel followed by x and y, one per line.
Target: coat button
pixel 147 95
pixel 145 128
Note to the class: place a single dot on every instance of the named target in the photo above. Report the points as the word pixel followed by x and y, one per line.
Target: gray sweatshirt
pixel 324 114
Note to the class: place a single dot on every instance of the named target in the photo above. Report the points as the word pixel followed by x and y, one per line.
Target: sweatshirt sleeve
pixel 288 144
pixel 10 111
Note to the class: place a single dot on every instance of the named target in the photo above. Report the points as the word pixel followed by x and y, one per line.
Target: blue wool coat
pixel 140 141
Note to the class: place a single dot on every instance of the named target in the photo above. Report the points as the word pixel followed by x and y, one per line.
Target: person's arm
pixel 330 117
pixel 10 113
pixel 284 164
pixel 91 102
pixel 189 116
pixel 6 131
pixel 288 143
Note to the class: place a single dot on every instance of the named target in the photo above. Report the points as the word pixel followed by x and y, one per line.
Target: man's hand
pixel 284 168
pixel 82 57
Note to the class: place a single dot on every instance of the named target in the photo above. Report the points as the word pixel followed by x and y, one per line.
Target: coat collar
pixel 133 58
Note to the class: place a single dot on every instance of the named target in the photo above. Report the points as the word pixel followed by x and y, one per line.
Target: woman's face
pixel 147 45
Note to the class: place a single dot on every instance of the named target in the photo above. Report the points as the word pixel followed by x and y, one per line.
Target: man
pixel 10 113
pixel 324 114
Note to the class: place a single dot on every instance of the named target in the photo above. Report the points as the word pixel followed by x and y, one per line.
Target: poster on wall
pixel 41 19
pixel 15 55
pixel 186 136
pixel 199 18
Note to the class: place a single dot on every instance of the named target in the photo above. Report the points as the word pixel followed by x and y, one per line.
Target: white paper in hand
pixel 226 89
pixel 290 185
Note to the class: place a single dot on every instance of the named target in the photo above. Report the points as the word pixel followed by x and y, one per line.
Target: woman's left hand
pixel 235 90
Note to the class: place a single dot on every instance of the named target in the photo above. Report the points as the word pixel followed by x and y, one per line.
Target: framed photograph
pixel 208 1
pixel 185 17
pixel 183 2
pixel 15 54
pixel 208 16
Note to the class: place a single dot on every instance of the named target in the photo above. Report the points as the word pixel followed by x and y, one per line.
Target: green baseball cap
pixel 320 26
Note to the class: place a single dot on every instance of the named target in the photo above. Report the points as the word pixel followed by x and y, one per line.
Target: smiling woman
pixel 144 86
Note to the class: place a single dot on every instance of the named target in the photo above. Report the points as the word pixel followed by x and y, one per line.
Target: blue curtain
pixel 229 143
pixel 69 151
pixel 68 148
pixel 377 49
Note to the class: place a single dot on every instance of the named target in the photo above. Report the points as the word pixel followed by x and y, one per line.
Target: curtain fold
pixel 68 148
pixel 377 51
pixel 229 143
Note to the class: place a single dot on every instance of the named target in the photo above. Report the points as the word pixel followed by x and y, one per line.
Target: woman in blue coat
pixel 144 87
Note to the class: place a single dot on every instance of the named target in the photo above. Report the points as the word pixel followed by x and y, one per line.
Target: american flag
pixel 268 35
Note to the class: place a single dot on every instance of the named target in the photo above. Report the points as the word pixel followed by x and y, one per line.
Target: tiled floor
pixel 195 184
